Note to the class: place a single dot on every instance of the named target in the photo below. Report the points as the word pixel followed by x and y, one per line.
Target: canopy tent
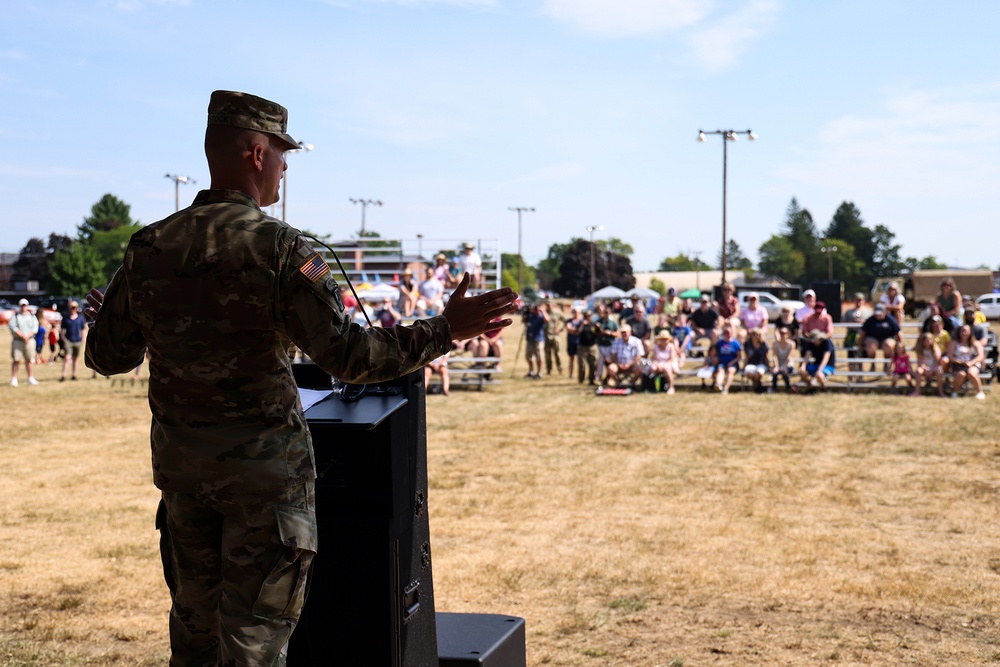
pixel 609 292
pixel 690 294
pixel 644 293
pixel 378 292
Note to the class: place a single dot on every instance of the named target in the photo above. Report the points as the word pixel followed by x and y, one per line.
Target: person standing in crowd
pixel 23 326
pixel 555 323
pixel 608 333
pixel 534 340
pixel 219 293
pixel 40 342
pixel 573 325
pixel 75 332
pixel 586 359
pixel 470 262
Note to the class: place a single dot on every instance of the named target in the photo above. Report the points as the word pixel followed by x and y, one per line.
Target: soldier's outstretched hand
pixel 470 316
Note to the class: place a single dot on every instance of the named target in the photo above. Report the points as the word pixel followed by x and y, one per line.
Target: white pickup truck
pixel 771 304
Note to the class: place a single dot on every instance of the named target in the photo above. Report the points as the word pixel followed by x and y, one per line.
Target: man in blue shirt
pixel 726 355
pixel 534 334
pixel 74 330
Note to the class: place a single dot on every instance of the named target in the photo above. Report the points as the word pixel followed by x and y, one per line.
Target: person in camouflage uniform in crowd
pixel 554 325
pixel 220 293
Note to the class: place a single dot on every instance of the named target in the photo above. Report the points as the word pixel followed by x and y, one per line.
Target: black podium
pixel 371 600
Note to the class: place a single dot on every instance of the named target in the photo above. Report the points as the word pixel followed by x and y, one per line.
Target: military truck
pixel 921 287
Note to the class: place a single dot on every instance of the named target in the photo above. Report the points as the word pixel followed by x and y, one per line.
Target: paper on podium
pixel 310 397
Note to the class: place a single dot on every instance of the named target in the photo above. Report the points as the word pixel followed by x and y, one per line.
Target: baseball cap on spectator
pixel 819 306
pixel 671 290
pixel 704 298
pixel 817 334
pixel 808 292
pixel 22 302
pixel 880 308
pixel 752 295
pixel 936 318
pixel 858 296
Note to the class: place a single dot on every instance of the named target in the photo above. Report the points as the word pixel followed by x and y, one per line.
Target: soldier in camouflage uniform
pixel 220 293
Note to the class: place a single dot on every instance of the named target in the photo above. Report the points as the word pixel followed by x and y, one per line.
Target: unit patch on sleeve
pixel 314 268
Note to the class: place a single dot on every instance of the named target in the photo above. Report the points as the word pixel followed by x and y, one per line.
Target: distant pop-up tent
pixel 609 292
pixel 690 294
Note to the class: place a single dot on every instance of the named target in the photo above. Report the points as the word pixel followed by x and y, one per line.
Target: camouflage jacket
pixel 219 293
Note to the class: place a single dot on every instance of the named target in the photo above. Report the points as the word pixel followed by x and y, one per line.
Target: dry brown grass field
pixel 649 530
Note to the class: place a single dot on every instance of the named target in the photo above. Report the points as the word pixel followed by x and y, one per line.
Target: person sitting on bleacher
pixel 966 355
pixel 894 302
pixel 941 338
pixel 726 358
pixel 818 319
pixel 439 367
pixel 754 316
pixel 819 359
pixel 928 364
pixel 705 320
pixel 624 362
pixel 781 359
pixel 879 331
pixel 977 321
pixel 757 363
pixel 683 338
pixel 663 360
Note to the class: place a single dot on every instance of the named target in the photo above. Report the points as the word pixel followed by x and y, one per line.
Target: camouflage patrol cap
pixel 251 113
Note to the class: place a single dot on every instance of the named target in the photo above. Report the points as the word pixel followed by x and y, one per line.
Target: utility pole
pixel 593 278
pixel 727 136
pixel 178 179
pixel 520 260
pixel 365 203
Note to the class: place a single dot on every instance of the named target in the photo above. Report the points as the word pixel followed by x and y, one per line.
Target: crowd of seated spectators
pixel 649 346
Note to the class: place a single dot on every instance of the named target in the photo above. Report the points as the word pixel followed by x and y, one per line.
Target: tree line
pixel 71 266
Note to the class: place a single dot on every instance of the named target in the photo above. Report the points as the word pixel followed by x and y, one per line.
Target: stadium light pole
pixel 520 261
pixel 593 278
pixel 828 250
pixel 365 203
pixel 284 177
pixel 727 136
pixel 178 179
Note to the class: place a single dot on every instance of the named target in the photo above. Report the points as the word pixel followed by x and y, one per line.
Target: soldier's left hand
pixel 94 300
pixel 470 316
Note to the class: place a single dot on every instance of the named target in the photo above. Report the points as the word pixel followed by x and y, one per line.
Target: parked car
pixel 990 305
pixel 771 304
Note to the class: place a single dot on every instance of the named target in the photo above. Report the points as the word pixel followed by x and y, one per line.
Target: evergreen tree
pixel 108 213
pixel 735 259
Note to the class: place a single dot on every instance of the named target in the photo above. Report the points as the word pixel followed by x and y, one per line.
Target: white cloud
pixel 720 45
pixel 627 18
pixel 924 143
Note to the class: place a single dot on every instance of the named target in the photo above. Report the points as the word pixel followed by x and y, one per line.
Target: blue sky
pixel 451 111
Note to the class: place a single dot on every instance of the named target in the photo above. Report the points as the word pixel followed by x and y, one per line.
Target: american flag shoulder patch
pixel 314 268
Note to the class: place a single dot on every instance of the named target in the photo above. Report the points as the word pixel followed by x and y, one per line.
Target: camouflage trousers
pixel 236 567
pixel 552 355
